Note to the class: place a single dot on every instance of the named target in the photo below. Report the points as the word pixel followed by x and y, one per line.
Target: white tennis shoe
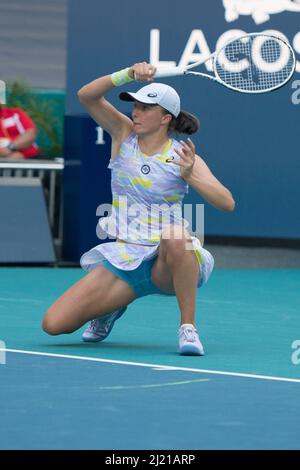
pixel 100 328
pixel 189 342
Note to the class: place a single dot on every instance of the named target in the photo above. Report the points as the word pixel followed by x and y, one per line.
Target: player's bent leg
pixel 177 270
pixel 172 248
pixel 161 274
pixel 98 293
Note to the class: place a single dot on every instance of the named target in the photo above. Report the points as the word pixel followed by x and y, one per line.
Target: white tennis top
pixel 147 197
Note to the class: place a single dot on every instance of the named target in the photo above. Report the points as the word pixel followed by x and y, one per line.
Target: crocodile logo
pixel 260 10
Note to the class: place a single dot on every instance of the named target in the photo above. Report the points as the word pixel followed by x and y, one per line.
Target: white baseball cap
pixel 156 93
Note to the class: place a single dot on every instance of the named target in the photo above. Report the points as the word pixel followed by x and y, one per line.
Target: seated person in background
pixel 17 134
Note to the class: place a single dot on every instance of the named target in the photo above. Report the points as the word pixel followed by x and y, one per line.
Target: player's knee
pixel 174 239
pixel 49 326
pixel 53 327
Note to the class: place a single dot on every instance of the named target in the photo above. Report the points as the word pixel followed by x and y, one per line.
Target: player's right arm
pixel 104 113
pixel 91 96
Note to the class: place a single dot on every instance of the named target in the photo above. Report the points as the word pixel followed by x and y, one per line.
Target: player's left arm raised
pixel 197 174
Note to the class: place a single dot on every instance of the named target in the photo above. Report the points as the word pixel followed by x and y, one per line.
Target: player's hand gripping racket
pixel 252 63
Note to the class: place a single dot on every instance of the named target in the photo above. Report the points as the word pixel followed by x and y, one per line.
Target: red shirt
pixel 14 122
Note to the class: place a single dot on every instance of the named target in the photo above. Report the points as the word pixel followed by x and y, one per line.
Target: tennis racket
pixel 252 63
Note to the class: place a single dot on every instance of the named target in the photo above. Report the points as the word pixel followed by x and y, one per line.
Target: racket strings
pixel 257 63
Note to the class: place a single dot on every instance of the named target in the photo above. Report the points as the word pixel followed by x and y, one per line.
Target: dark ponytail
pixel 185 123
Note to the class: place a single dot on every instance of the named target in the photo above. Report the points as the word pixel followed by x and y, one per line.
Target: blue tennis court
pixel 60 393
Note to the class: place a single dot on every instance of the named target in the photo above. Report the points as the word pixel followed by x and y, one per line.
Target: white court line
pixel 166 384
pixel 159 366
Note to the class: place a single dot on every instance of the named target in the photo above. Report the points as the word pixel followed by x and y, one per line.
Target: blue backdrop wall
pixel 249 141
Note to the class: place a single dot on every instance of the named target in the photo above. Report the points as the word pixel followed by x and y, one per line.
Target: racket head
pixel 255 63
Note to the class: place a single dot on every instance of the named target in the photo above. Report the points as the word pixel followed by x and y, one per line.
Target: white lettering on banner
pixel 155 48
pixel 296 94
pixel 296 45
pixel 197 42
pixel 227 36
pixel 100 136
pixel 223 39
pixel 257 45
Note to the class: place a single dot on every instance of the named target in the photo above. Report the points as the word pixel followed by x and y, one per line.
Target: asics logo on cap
pixel 152 95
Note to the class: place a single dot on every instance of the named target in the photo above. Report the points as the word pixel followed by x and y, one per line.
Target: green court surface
pixel 247 320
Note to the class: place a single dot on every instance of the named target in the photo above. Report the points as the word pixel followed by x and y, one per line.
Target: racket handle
pixel 169 71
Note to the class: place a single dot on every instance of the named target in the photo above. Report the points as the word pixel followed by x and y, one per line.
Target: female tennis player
pixel 153 252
